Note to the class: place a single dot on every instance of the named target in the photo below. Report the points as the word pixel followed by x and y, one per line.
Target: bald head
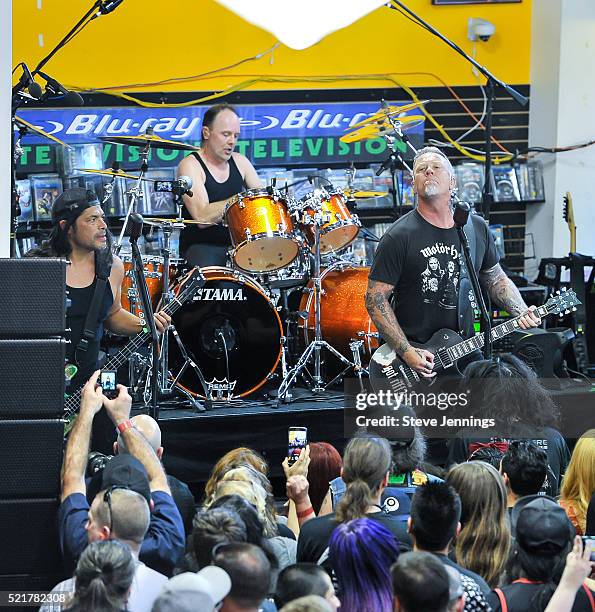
pixel 149 428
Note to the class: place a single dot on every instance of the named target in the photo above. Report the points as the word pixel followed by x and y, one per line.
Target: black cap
pixel 542 527
pixel 72 202
pixel 124 471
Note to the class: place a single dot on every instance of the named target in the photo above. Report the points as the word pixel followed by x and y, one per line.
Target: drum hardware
pixel 318 219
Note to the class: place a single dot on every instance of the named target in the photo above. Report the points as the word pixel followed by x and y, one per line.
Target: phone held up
pixel 298 439
pixel 592 539
pixel 107 381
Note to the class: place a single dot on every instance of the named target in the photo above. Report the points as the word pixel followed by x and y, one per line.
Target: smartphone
pixel 107 382
pixel 298 439
pixel 592 538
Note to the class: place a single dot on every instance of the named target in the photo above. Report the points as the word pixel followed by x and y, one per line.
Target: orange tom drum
pixel 343 314
pixel 261 230
pixel 342 227
pixel 153 267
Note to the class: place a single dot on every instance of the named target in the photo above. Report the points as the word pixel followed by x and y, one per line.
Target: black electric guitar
pixel 568 214
pixel 188 287
pixel 448 348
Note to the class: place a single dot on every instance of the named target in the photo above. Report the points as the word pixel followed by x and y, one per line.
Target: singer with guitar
pixel 419 260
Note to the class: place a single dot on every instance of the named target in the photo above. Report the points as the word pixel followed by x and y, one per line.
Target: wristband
pixel 124 425
pixel 305 513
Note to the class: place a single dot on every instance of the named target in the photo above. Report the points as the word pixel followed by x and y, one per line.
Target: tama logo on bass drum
pixel 220 295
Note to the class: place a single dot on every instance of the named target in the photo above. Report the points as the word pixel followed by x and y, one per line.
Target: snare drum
pixel 343 314
pixel 232 330
pixel 153 267
pixel 342 227
pixel 261 230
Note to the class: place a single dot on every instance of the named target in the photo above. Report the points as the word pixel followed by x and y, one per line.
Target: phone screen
pixel 108 383
pixel 298 439
pixel 592 538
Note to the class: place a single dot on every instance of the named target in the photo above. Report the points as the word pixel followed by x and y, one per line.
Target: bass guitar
pixel 187 288
pixel 448 348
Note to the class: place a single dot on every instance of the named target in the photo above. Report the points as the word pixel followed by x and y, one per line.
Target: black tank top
pixel 76 316
pixel 215 234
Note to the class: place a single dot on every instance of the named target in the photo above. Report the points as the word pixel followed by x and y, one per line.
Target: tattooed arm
pixel 506 295
pixel 381 312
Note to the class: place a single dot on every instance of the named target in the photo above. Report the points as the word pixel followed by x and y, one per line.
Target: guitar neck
pixel 572 229
pixel 71 405
pixel 476 342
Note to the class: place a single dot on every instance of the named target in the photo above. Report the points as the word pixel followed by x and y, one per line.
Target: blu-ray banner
pixel 271 134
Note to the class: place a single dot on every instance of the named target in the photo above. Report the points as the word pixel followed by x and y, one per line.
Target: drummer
pixel 217 174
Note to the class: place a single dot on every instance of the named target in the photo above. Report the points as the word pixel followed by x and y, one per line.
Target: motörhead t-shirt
pixel 423 262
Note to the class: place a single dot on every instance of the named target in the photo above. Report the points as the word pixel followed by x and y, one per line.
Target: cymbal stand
pixel 314 349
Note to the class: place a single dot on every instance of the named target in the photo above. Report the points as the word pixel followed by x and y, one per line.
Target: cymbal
pixel 116 173
pixel 155 142
pixel 382 129
pixel 161 220
pixel 362 195
pixel 389 111
pixel 39 131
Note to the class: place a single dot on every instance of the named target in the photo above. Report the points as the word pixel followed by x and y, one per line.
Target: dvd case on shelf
pixel 25 201
pixel 470 178
pixel 45 188
pixel 158 202
pixel 532 181
pixel 504 184
pixel 88 156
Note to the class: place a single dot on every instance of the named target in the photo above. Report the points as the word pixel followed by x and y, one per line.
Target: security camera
pixel 480 29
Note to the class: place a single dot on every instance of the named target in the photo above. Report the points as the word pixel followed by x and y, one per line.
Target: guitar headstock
pixel 190 283
pixel 568 211
pixel 563 302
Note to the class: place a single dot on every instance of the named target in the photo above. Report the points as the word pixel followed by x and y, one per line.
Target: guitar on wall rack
pixel 448 348
pixel 188 287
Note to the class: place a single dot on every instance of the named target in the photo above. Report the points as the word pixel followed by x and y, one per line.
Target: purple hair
pixel 361 553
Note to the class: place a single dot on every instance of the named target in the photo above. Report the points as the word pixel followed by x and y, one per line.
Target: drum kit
pixel 290 285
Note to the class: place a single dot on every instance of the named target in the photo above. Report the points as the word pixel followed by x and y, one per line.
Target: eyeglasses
pixel 107 499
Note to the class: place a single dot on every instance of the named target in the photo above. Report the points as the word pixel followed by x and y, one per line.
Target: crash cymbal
pixel 381 129
pixel 155 142
pixel 117 173
pixel 389 111
pixel 362 195
pixel 39 131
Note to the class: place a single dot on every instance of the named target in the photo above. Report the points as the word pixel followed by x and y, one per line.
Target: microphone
pixel 183 186
pixel 55 89
pixel 134 228
pixel 27 81
pixel 461 212
pixel 107 7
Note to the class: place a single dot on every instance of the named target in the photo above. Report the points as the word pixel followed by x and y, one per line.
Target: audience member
pixel 577 569
pixel 304 579
pixel 524 470
pixel 420 582
pixel 366 467
pixel 508 388
pixel 434 523
pixel 483 543
pixel 250 573
pixel 190 592
pixel 456 591
pixel 121 514
pixel 578 485
pixel 103 577
pixel 308 603
pixel 361 553
pixel 325 466
pixel 590 525
pixel 164 541
pixel 180 491
pixel 544 537
pixel 488 453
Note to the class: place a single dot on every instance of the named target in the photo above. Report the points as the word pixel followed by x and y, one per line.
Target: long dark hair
pixel 366 461
pixel 58 245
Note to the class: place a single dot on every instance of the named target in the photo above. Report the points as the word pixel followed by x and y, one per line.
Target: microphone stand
pixel 145 299
pixel 461 215
pixel 492 81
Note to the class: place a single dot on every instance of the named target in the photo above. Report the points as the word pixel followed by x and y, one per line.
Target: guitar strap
pixel 102 272
pixel 466 305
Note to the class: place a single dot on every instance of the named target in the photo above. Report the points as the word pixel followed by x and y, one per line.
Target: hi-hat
pixel 389 111
pixel 116 173
pixel 39 131
pixel 149 140
pixel 381 129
